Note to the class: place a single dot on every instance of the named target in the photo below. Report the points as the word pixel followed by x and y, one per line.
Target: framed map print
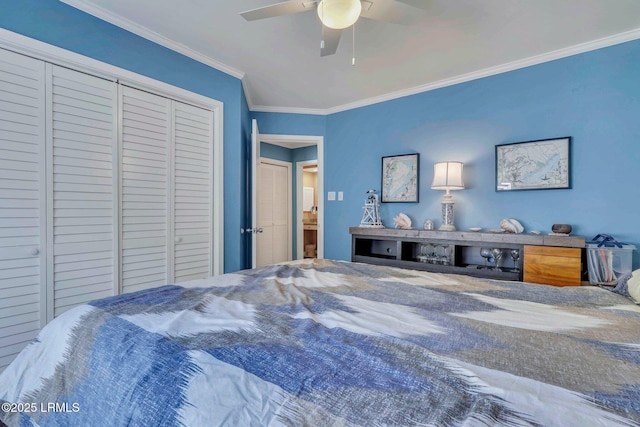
pixel 534 165
pixel 400 178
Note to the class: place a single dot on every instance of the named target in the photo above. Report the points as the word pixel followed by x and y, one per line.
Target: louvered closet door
pixel 22 137
pixel 84 192
pixel 192 192
pixel 146 125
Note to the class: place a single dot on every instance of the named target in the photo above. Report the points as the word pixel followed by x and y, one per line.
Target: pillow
pixel 633 286
pixel 629 286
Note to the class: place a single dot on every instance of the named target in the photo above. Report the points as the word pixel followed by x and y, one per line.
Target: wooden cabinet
pixel 553 260
pixel 552 265
pixel 310 239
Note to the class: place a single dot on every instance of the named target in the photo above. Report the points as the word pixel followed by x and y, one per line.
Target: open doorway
pixel 307 209
pixel 305 152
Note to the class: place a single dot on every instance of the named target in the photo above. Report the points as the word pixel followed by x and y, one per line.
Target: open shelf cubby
pixel 450 251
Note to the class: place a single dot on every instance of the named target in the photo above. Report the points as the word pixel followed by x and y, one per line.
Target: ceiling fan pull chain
pixel 322 25
pixel 353 44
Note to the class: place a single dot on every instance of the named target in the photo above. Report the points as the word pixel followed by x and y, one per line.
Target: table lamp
pixel 447 176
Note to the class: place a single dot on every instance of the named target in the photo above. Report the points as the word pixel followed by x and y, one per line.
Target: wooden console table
pixel 548 259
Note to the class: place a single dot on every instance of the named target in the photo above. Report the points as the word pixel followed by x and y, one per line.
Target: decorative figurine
pixel 428 225
pixel 371 216
pixel 511 225
pixel 561 228
pixel 402 221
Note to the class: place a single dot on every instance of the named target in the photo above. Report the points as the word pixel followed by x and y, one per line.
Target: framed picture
pixel 534 165
pixel 400 178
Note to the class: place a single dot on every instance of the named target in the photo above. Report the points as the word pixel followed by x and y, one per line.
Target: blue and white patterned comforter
pixel 321 343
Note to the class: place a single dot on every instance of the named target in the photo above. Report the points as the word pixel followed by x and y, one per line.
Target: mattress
pixel 331 343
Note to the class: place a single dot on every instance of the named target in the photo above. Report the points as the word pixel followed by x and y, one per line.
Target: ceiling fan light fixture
pixel 339 14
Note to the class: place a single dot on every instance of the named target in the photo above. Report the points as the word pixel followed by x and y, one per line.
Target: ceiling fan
pixel 336 15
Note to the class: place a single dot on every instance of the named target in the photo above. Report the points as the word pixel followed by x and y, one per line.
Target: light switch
pixel 331 195
pixel 340 196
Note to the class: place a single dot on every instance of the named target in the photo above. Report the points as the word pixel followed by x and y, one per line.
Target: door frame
pixel 299 141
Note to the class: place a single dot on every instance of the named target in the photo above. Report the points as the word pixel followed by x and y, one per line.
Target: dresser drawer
pixel 552 265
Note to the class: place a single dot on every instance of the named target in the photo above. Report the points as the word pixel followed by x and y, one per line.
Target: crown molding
pixel 42 51
pixel 65 58
pixel 146 33
pixel 491 71
pixel 288 110
pixel 247 92
pixel 121 22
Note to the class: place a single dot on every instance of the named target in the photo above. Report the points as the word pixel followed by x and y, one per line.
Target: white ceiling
pixel 449 41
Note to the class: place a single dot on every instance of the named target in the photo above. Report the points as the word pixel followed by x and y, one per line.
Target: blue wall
pixel 290 124
pixel 593 97
pixel 60 25
pixel 276 152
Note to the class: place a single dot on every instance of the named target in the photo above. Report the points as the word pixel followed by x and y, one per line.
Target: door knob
pixel 34 251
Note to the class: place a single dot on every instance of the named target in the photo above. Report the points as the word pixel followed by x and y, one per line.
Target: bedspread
pixel 328 343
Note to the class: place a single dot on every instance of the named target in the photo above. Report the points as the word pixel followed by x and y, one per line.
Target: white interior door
pixel 167 180
pixel 144 182
pixel 82 191
pixel 60 202
pixel 192 193
pixel 255 170
pixel 22 219
pixel 274 212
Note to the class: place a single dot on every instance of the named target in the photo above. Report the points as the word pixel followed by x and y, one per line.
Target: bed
pixel 331 343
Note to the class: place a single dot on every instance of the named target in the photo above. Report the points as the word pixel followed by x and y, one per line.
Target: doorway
pixel 307 209
pixel 295 142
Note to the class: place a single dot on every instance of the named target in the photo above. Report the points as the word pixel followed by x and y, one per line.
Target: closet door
pixel 22 243
pixel 146 127
pixel 166 190
pixel 83 191
pixel 192 192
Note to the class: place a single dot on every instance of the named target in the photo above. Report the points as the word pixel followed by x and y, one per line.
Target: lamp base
pixel 447 213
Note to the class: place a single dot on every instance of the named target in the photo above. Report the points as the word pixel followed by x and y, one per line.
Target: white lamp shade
pixel 339 14
pixel 447 176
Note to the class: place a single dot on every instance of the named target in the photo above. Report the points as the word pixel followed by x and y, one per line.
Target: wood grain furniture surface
pixel 557 266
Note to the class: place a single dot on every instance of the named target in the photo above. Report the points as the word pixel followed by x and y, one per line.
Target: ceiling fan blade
pixel 420 4
pixel 387 11
pixel 279 9
pixel 381 10
pixel 331 39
